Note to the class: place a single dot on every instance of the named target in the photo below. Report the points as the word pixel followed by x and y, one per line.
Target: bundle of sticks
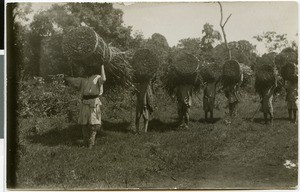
pixel 264 78
pixel 211 72
pixel 231 73
pixel 183 69
pixel 145 64
pixel 289 72
pixel 85 48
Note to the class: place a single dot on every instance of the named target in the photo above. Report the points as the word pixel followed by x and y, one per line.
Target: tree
pixel 41 27
pixel 210 37
pixel 273 42
pixel 191 45
pixel 242 51
pixel 48 27
pixel 285 56
pixel 202 47
pixel 267 59
pixel 19 36
pixel 105 20
pixel 137 41
pixel 208 41
pixel 159 45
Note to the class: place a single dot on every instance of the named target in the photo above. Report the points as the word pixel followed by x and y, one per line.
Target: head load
pixel 289 72
pixel 231 73
pixel 183 70
pixel 211 72
pixel 265 77
pixel 145 64
pixel 83 44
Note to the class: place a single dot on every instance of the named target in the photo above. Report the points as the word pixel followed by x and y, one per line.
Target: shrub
pixel 38 97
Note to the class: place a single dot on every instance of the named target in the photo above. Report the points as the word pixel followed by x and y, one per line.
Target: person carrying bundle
pixel 232 80
pixel 143 104
pixel 209 95
pixel 232 95
pixel 184 102
pixel 289 73
pixel 266 80
pixel 181 80
pixel 145 63
pixel 267 103
pixel 211 73
pixel 291 99
pixel 91 87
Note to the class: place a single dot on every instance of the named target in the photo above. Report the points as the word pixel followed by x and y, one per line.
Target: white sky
pixel 182 20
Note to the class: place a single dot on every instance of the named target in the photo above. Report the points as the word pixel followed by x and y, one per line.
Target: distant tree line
pixel 38 48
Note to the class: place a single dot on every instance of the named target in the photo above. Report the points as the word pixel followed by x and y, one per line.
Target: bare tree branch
pixel 227 19
pixel 221 11
pixel 223 29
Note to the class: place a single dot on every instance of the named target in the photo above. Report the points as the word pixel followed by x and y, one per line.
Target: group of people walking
pixel 91 88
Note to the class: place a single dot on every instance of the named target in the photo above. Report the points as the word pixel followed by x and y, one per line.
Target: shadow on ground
pixel 262 120
pixel 157 125
pixel 67 136
pixel 72 135
pixel 117 126
pixel 214 120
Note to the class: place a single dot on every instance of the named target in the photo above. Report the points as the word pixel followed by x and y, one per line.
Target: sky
pixel 185 20
pixel 182 20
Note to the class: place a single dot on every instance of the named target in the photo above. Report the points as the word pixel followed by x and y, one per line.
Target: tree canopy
pixel 38 41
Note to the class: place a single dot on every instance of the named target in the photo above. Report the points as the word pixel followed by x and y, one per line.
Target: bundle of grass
pixel 264 78
pixel 186 63
pixel 84 47
pixel 289 72
pixel 145 64
pixel 231 73
pixel 183 69
pixel 211 72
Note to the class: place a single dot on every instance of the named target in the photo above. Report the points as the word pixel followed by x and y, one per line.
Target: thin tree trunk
pixel 223 30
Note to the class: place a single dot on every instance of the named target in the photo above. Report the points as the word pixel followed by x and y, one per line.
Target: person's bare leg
pixel 92 136
pixel 186 117
pixel 235 110
pixel 266 118
pixel 211 116
pixel 230 109
pixel 85 134
pixel 137 121
pixel 206 116
pixel 272 118
pixel 295 115
pixel 181 114
pixel 290 115
pixel 146 120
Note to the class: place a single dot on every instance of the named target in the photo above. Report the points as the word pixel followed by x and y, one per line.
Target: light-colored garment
pixel 144 100
pixel 184 94
pixel 184 102
pixel 267 100
pixel 231 92
pixel 291 95
pixel 209 96
pixel 90 111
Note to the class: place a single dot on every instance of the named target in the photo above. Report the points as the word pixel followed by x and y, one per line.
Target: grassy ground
pixel 242 154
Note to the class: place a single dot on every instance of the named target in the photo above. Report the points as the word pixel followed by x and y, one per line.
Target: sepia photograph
pixel 152 95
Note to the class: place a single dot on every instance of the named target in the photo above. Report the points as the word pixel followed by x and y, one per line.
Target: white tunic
pixel 90 112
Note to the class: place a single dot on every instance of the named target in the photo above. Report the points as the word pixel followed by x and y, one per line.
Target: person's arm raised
pixel 103 76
